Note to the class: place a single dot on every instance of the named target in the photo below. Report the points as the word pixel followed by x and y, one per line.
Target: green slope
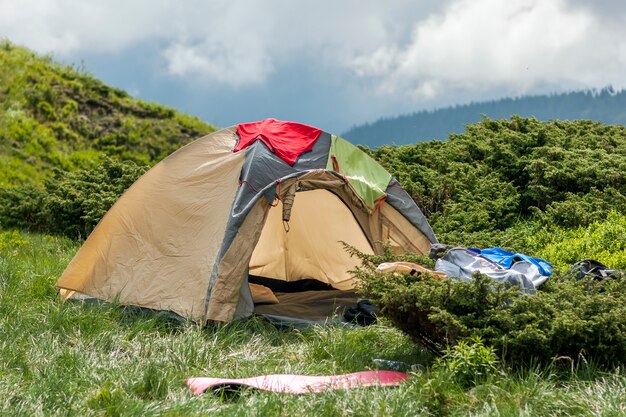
pixel 53 116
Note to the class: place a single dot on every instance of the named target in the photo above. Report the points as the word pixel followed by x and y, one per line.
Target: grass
pixel 100 359
pixel 54 116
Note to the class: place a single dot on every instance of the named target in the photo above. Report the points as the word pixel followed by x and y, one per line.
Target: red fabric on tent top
pixel 288 140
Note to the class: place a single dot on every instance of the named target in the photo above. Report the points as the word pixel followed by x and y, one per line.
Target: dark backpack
pixel 364 313
pixel 594 270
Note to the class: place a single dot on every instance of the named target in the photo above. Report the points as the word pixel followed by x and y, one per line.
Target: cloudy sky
pixel 332 64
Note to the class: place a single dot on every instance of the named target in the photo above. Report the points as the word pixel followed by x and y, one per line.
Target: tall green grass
pixel 101 359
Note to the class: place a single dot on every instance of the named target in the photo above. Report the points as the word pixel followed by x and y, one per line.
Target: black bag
pixel 365 313
pixel 594 270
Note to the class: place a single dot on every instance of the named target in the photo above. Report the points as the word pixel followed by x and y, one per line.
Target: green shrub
pixel 469 362
pixel 567 318
pixel 21 208
pixel 70 203
pixel 500 171
pixel 12 240
pixel 603 240
pixel 580 210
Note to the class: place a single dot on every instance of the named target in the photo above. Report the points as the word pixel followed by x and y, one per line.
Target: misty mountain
pixel 606 105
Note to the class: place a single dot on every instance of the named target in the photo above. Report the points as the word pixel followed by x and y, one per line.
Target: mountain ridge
pixel 605 105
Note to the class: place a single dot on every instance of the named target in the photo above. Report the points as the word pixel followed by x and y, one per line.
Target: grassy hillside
pixel 53 116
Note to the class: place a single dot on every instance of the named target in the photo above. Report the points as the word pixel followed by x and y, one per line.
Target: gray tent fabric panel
pixel 317 158
pixel 262 168
pixel 245 305
pixel 302 324
pixel 399 199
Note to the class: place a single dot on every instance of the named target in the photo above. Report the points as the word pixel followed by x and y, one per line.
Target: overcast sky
pixel 329 63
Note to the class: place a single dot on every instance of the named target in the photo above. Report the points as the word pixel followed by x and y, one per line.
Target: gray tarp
pixel 462 263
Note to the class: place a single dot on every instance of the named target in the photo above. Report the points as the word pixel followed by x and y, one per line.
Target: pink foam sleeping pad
pixel 301 384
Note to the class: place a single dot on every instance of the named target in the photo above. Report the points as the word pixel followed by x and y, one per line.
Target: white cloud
pixel 516 46
pixel 245 41
pixel 400 49
pixel 69 26
pixel 231 42
pixel 215 63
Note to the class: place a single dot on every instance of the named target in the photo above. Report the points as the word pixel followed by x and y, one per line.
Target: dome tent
pixel 268 200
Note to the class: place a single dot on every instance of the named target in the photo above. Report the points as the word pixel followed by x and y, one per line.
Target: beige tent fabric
pixel 157 245
pixel 262 294
pixel 322 179
pixel 311 248
pixel 402 235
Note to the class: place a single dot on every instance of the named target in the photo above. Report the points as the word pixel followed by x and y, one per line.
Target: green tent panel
pixel 368 178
